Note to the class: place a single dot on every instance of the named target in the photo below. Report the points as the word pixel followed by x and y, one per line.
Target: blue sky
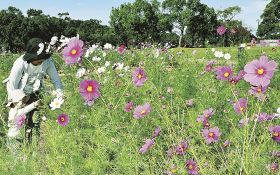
pixel 96 9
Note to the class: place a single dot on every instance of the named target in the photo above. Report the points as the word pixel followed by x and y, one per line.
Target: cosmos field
pixel 154 111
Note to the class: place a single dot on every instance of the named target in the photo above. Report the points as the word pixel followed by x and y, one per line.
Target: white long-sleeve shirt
pixel 18 78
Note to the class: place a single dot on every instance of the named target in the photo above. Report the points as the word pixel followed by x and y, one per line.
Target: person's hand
pixel 59 93
pixel 37 103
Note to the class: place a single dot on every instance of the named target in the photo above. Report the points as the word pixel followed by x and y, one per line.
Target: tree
pixel 270 25
pixel 11 32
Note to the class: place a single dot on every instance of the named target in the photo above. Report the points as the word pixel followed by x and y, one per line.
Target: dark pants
pixel 32 127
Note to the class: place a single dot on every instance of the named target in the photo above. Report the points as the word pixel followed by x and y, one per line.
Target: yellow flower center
pixel 226 74
pixel 259 90
pixel 89 88
pixel 241 109
pixel 56 103
pixel 62 119
pixel 190 167
pixel 275 134
pixel 73 52
pixel 143 111
pixel 260 71
pixel 206 116
pixel 139 76
pixel 211 134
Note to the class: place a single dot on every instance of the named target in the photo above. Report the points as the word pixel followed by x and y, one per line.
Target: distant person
pixel 27 74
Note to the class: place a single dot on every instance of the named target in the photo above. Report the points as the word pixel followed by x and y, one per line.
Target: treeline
pixel 178 22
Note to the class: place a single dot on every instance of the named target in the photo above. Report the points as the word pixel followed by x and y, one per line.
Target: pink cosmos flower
pixel 209 66
pixel 142 111
pixel 20 120
pixel 224 73
pixel 156 132
pixel 233 31
pixel 63 119
pixel 73 52
pixel 273 167
pixel 259 72
pixel 139 77
pixel 221 30
pixel 211 135
pixel 182 148
pixel 192 167
pixel 275 132
pixel 149 143
pixel 89 89
pixel 226 143
pixel 240 106
pixel 129 106
pixel 243 122
pixel 208 113
pixel 121 49
pixel 264 117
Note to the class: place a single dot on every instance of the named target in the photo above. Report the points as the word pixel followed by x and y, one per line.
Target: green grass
pixel 103 139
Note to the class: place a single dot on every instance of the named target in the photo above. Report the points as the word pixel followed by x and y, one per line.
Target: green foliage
pixel 103 139
pixel 270 25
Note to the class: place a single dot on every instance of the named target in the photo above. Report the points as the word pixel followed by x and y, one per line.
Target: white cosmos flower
pixel 97 59
pixel 107 63
pixel 227 56
pixel 243 45
pixel 104 54
pixel 44 118
pixel 41 48
pixel 213 49
pixel 81 72
pixel 54 40
pixel 108 46
pixel 218 54
pixel 56 103
pixel 126 68
pixel 101 70
pixel 278 110
pixel 119 66
pixel 90 50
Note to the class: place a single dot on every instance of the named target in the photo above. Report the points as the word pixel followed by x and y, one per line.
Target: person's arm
pixel 53 74
pixel 15 76
pixel 27 109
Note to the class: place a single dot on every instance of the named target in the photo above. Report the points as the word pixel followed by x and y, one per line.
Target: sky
pixel 97 9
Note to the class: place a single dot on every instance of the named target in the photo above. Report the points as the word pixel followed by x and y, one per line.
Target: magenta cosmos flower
pixel 259 72
pixel 129 106
pixel 20 120
pixel 182 148
pixel 209 66
pixel 73 52
pixel 211 135
pixel 121 49
pixel 224 73
pixel 264 117
pixel 148 144
pixel 63 119
pixel 275 132
pixel 139 77
pixel 208 113
pixel 89 89
pixel 192 167
pixel 240 106
pixel 221 30
pixel 156 132
pixel 142 111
